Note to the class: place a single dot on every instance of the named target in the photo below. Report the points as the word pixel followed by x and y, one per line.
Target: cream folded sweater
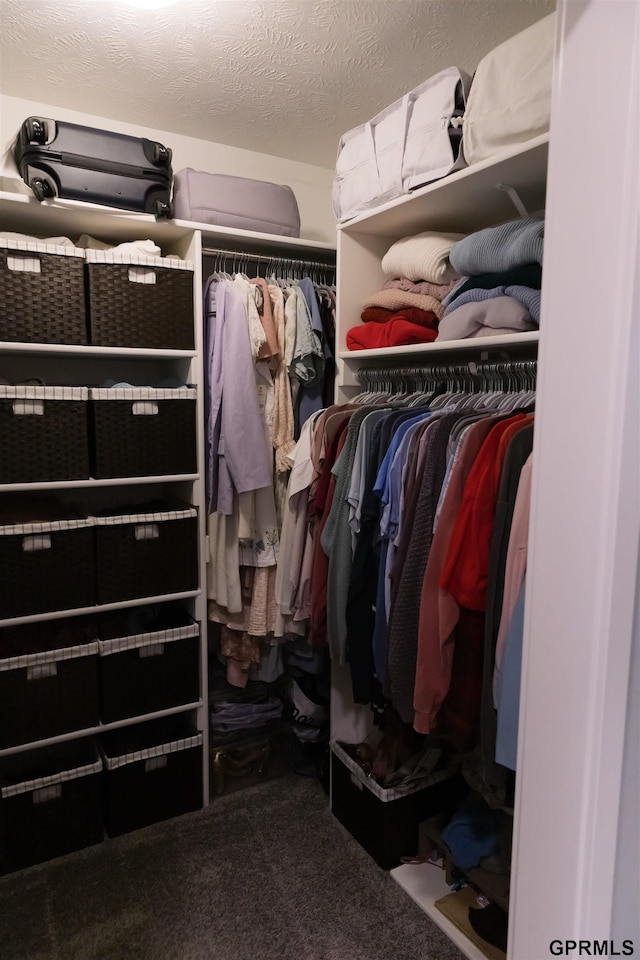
pixel 424 256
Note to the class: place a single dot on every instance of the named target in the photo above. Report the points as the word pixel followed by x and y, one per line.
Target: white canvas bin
pixel 369 164
pixel 430 151
pixel 510 98
pixel 373 165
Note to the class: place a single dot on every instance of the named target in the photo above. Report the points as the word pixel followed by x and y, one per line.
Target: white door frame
pixel 585 521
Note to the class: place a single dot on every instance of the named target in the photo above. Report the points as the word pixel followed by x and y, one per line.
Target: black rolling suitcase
pixel 58 159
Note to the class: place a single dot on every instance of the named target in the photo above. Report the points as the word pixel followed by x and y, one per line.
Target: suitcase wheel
pixel 162 209
pixel 160 154
pixel 42 189
pixel 35 130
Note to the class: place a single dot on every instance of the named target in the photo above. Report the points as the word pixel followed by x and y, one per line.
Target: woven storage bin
pixel 149 553
pixel 149 660
pixel 138 301
pixel 153 771
pixel 43 434
pixel 48 680
pixel 142 431
pixel 46 565
pixel 253 757
pixel 50 803
pixel 385 821
pixel 42 297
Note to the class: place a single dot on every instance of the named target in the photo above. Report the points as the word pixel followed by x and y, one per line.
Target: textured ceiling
pixel 284 77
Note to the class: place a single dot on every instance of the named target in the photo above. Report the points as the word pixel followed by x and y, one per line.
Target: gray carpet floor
pixel 266 873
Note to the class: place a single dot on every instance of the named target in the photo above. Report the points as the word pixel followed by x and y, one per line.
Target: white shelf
pixel 211 236
pixel 98 608
pixel 101 728
pixel 81 350
pixel 425 884
pixel 466 200
pixel 22 213
pixel 423 350
pixel 91 482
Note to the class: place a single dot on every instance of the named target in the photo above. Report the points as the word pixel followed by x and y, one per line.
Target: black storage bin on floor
pixel 44 564
pixel 153 771
pixel 42 297
pixel 48 680
pixel 50 803
pixel 249 758
pixel 149 660
pixel 147 553
pixel 138 301
pixel 43 434
pixel 142 431
pixel 385 821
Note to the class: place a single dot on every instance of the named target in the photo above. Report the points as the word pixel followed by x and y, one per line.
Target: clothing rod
pixel 261 258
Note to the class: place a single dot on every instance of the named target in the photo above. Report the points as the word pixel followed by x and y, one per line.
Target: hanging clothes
pixel 261 337
pixel 402 501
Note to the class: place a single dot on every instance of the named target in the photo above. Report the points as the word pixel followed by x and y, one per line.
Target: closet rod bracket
pixel 514 196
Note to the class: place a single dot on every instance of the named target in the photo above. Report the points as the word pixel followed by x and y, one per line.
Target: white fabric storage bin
pixel 369 163
pixel 431 152
pixel 377 163
pixel 510 98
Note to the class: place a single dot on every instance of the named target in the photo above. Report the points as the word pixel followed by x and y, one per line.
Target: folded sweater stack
pixel 501 269
pixel 409 307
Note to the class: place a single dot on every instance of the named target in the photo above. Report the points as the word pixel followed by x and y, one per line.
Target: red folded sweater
pixel 394 333
pixel 426 318
pixel 377 315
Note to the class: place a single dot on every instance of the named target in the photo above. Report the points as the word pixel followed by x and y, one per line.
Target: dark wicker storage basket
pixel 43 434
pixel 124 312
pixel 48 680
pixel 153 771
pixel 142 431
pixel 146 554
pixel 149 660
pixel 46 566
pixel 46 305
pixel 385 821
pixel 50 803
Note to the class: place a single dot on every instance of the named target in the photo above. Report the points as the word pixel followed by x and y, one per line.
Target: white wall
pixel 311 184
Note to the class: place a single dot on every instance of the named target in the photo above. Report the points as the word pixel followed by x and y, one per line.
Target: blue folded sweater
pixel 499 248
pixel 525 295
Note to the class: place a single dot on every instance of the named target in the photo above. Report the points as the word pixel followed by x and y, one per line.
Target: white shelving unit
pixel 92 482
pixel 466 201
pixel 103 727
pixel 82 364
pixel 425 884
pixel 78 364
pixel 102 608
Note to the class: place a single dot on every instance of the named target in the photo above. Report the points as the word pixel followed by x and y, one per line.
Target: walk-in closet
pixel 319 479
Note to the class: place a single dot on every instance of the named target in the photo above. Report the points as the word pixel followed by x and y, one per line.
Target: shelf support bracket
pixel 514 196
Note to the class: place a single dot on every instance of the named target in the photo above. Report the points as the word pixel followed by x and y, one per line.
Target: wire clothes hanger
pixel 500 384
